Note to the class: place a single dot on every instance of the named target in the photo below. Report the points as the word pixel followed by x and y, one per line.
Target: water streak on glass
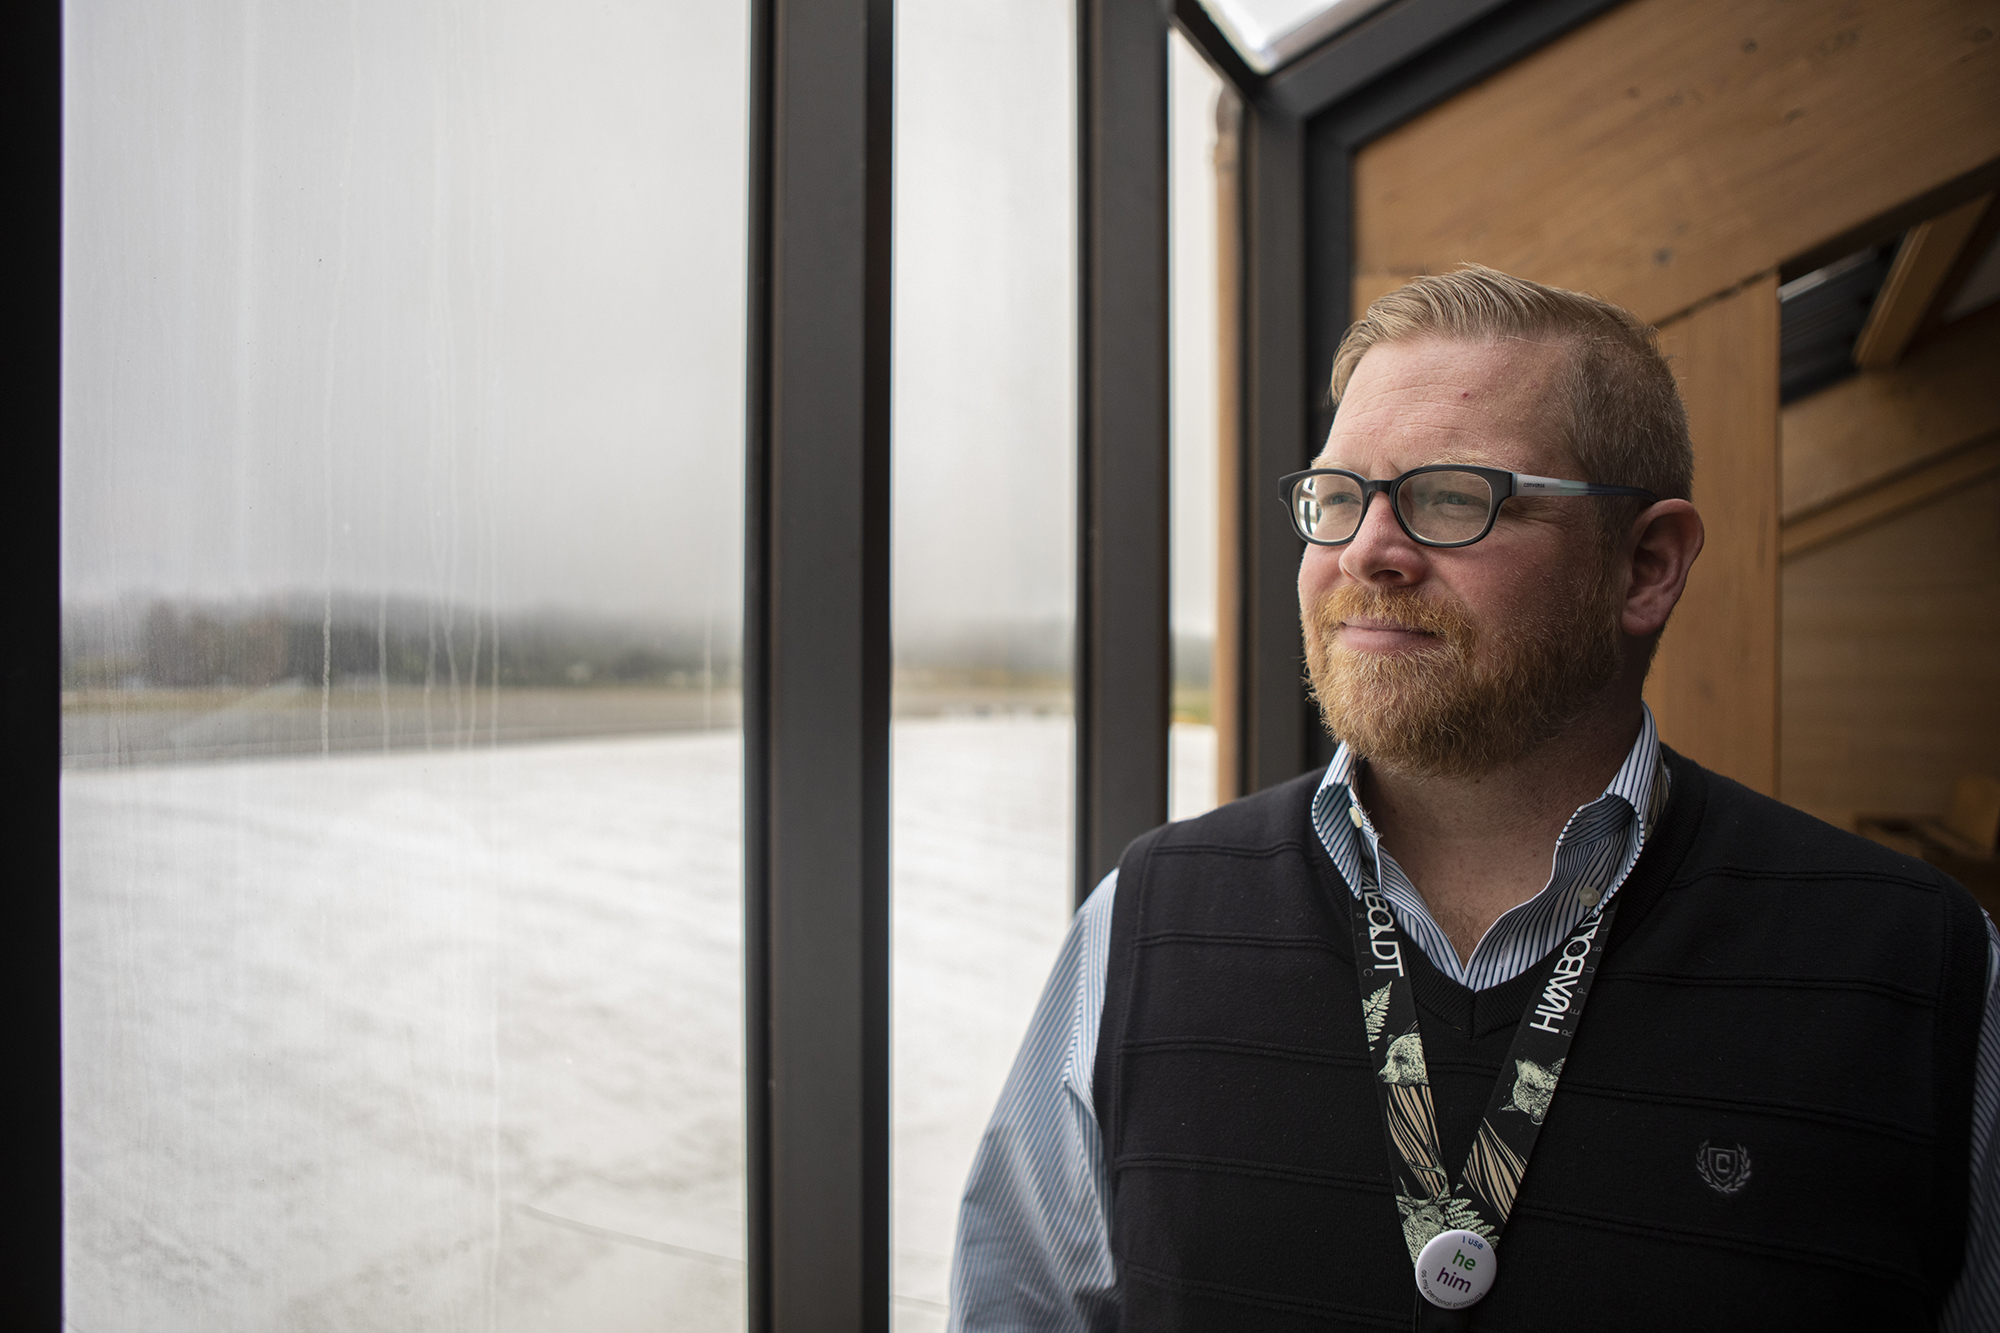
pixel 401 575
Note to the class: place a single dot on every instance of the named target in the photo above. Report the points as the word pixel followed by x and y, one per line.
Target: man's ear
pixel 1666 539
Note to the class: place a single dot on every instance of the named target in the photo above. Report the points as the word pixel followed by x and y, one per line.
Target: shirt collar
pixel 1640 784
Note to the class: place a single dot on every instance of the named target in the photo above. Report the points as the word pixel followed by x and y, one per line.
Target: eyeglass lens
pixel 1445 506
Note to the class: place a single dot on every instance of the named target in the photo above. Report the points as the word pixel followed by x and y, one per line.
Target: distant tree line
pixel 171 645
pixel 167 644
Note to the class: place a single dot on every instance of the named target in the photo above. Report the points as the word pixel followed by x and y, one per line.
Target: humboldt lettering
pixel 1382 933
pixel 1557 997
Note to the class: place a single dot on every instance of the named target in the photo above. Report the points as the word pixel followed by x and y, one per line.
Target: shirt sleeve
pixel 1034 1247
pixel 1975 1302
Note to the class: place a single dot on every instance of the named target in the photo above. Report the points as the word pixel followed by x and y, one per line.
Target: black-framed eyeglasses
pixel 1441 504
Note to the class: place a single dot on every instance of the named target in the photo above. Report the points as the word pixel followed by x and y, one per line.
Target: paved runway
pixel 451 1040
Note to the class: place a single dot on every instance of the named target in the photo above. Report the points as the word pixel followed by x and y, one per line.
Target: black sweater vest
pixel 1772 984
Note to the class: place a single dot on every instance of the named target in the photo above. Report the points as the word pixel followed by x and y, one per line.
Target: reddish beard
pixel 1446 709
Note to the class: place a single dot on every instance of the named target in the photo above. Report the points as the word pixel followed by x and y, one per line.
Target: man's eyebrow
pixel 1458 457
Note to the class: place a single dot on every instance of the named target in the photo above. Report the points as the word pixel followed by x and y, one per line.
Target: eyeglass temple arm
pixel 1527 485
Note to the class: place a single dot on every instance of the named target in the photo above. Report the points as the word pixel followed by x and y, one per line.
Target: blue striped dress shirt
pixel 1034 1235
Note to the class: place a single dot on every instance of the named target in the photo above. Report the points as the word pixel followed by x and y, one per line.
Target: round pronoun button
pixel 1456 1269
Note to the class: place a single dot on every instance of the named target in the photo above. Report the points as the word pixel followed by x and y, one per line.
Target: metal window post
pixel 817 664
pixel 1123 658
pixel 30 650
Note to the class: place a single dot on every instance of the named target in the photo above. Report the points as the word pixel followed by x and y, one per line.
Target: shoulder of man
pixel 1813 897
pixel 1272 818
pixel 1274 822
pixel 1743 833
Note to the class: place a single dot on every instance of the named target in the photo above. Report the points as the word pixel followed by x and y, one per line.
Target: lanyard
pixel 1452 1230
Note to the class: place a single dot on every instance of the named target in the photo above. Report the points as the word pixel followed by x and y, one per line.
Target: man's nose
pixel 1381 551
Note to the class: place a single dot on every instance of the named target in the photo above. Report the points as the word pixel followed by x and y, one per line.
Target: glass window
pixel 984 583
pixel 1201 163
pixel 401 574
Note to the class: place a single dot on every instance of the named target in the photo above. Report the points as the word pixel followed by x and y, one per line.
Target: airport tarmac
pixel 451 1039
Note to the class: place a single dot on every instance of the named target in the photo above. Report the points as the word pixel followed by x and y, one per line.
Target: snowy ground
pixel 452 1040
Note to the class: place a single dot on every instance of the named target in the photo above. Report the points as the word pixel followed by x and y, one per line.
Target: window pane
pixel 402 482
pixel 1201 166
pixel 984 582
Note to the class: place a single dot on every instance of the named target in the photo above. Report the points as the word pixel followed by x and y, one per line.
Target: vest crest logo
pixel 1724 1170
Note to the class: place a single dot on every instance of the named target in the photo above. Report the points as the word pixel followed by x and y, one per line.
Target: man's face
pixel 1455 662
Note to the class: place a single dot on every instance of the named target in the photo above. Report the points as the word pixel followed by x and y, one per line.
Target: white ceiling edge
pixel 1340 14
pixel 1265 45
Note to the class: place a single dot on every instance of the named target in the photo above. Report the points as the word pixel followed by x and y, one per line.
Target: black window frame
pixel 30 649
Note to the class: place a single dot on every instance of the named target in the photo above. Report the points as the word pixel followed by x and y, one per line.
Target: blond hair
pixel 1619 410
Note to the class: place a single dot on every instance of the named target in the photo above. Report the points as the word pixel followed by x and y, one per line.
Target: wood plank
pixel 1927 255
pixel 1673 148
pixel 1714 687
pixel 1892 660
pixel 1882 423
pixel 1955 471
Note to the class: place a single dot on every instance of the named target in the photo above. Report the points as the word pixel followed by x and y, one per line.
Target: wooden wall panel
pixel 1882 423
pixel 1892 660
pixel 1870 505
pixel 1673 148
pixel 1714 687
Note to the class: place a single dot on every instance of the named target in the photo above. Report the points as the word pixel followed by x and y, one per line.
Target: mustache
pixel 1399 606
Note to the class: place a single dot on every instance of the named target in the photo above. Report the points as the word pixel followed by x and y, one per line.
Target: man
pixel 1510 1017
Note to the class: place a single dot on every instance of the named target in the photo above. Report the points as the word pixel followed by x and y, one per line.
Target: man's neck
pixel 1476 847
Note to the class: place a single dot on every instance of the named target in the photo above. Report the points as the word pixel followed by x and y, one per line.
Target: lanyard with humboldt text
pixel 1451 1231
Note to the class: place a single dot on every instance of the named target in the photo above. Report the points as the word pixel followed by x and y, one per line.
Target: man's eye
pixel 1338 499
pixel 1443 499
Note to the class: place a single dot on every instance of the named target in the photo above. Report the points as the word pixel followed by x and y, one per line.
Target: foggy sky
pixel 447 300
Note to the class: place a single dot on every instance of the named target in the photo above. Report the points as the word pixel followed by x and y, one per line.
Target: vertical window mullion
pixel 817 679
pixel 1123 654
